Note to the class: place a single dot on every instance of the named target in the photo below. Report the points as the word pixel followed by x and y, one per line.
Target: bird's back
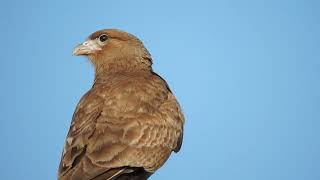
pixel 126 126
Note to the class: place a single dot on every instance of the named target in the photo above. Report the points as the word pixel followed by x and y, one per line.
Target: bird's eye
pixel 103 38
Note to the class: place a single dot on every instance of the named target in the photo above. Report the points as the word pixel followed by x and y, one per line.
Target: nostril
pixel 85 43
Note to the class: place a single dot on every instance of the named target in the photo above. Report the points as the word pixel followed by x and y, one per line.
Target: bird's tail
pixel 124 173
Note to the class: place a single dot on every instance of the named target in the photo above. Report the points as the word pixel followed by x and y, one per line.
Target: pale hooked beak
pixel 86 48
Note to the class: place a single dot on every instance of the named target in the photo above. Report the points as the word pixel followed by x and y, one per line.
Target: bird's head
pixel 115 50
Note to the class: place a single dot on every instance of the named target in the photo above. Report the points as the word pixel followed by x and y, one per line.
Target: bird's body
pixel 126 125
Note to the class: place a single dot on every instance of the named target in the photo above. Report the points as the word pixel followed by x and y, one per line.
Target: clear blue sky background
pixel 246 73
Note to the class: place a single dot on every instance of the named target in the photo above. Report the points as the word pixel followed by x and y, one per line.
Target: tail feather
pixel 124 173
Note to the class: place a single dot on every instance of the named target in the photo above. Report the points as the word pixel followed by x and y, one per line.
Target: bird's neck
pixel 123 64
pixel 120 67
pixel 109 77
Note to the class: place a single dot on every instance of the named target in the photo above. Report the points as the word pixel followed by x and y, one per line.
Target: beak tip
pixel 74 53
pixel 77 51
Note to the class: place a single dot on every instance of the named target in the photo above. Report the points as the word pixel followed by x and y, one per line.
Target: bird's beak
pixel 86 48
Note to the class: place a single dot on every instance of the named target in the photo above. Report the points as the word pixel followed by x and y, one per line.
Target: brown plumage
pixel 129 122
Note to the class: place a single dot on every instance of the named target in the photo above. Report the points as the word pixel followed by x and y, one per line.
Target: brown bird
pixel 129 122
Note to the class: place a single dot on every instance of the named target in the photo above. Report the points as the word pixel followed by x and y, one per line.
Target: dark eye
pixel 103 38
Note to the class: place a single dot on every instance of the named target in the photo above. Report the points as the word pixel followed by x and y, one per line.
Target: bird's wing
pixel 172 109
pixel 174 118
pixel 82 127
pixel 74 163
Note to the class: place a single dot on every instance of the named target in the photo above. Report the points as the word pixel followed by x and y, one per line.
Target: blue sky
pixel 246 74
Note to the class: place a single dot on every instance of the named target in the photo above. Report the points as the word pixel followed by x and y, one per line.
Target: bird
pixel 129 123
